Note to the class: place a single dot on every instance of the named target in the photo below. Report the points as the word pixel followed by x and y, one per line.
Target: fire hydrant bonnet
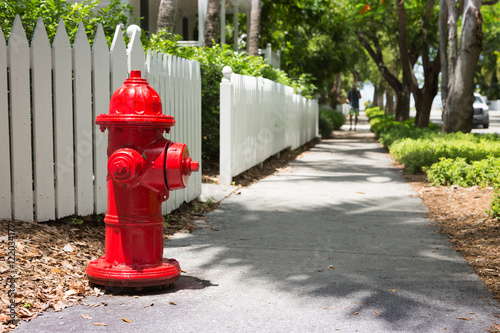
pixel 135 104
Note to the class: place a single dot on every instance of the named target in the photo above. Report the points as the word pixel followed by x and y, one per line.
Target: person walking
pixel 353 97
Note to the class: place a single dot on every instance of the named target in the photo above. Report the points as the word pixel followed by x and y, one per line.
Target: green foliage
pixel 495 204
pixel 429 149
pixel 488 69
pixel 458 171
pixel 338 119
pixel 313 36
pixel 329 121
pixel 212 61
pixel 419 148
pixel 374 112
pixel 72 13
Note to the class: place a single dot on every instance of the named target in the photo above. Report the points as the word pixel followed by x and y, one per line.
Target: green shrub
pixel 494 212
pixel 374 112
pixel 330 121
pixel 458 171
pixel 338 119
pixel 52 11
pixel 325 125
pixel 416 154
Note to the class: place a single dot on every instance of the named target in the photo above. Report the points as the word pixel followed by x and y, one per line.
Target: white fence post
pixel 83 123
pixel 118 66
pixel 43 151
pixel 63 123
pixel 5 187
pixel 100 93
pixel 225 137
pixel 135 51
pixel 20 123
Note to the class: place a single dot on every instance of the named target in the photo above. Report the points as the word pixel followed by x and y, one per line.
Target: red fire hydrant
pixel 142 168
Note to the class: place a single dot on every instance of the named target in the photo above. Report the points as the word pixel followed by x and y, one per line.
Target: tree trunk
pixel 375 98
pixel 423 105
pixel 253 35
pixel 458 112
pixel 212 23
pixel 443 49
pixel 389 102
pixel 335 94
pixel 403 102
pixel 425 95
pixel 167 15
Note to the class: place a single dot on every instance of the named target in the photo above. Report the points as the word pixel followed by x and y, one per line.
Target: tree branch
pixel 377 57
pixel 490 3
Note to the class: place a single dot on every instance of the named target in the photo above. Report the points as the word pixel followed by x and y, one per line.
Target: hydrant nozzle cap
pixel 194 166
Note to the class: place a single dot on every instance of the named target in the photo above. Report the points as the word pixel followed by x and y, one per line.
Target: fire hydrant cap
pixel 135 104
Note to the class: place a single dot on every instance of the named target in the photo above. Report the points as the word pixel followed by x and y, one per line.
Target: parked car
pixel 481 112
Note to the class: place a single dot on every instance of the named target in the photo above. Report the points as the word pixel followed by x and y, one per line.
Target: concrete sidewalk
pixel 336 242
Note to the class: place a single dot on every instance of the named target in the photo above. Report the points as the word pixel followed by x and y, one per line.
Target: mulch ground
pixel 51 258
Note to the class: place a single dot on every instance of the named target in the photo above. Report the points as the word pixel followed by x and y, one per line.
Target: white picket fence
pixel 53 156
pixel 259 118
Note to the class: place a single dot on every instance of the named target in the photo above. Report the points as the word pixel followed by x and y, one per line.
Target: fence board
pixel 83 123
pixel 43 140
pixel 5 186
pixel 101 93
pixel 118 60
pixel 63 123
pixel 197 124
pixel 20 123
pixel 135 51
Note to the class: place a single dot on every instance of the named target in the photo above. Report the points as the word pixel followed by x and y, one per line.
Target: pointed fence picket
pixel 54 159
pixel 259 118
pixel 43 149
pixel 5 180
pixel 20 123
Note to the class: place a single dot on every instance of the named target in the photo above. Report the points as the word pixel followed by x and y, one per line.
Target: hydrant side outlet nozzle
pixel 142 168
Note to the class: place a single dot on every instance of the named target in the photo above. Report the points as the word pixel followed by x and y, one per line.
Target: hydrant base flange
pixel 101 272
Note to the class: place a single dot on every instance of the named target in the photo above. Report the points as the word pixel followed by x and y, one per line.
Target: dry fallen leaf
pixel 68 248
pixel 86 316
pixel 378 314
pixel 100 324
pixel 70 292
pixel 464 318
pixel 172 303
pixel 356 313
pixel 126 320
